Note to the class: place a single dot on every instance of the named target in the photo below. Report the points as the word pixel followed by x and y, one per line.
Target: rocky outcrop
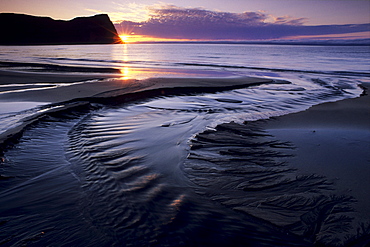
pixel 20 29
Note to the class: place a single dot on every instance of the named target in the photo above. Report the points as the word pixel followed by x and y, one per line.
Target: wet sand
pixel 333 140
pixel 66 86
pixel 239 165
pixel 344 114
pixel 102 85
pixel 20 90
pixel 307 172
pixel 323 133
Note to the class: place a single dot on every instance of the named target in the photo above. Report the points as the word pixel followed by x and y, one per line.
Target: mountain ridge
pixel 22 29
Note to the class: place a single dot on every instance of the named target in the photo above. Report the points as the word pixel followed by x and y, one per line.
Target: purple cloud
pixel 192 23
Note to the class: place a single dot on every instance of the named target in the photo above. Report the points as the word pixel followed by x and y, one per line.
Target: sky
pixel 150 20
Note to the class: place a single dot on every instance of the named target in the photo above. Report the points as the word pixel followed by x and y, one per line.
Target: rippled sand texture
pixel 99 185
pixel 155 164
pixel 244 168
pixel 233 189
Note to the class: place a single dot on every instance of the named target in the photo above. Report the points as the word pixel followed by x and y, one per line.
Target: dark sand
pixel 333 140
pixel 277 169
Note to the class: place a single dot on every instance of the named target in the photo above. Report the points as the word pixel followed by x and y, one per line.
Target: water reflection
pixel 131 68
pixel 125 73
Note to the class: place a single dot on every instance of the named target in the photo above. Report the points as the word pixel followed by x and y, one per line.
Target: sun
pixel 124 38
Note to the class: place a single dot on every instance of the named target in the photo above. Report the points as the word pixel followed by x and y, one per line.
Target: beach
pixel 329 140
pixel 29 87
pixel 326 146
pixel 205 124
pixel 101 85
pixel 332 139
pixel 215 157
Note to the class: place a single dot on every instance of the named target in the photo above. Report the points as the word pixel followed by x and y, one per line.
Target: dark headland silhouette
pixel 21 29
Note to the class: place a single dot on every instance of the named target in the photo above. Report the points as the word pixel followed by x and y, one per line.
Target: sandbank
pixel 64 87
pixel 53 87
pixel 333 140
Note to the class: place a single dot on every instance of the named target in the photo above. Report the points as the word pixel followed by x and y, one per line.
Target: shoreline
pixel 346 113
pixel 314 127
pixel 105 85
pixel 333 140
pixel 259 178
pixel 298 171
pixel 81 89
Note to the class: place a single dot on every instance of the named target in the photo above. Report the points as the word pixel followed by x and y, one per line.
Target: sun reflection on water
pixel 125 73
pixel 129 65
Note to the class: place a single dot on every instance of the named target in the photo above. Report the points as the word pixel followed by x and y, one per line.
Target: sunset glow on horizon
pixel 143 38
pixel 201 20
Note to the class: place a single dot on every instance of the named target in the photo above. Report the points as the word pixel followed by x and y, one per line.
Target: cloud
pixel 288 20
pixel 132 11
pixel 172 22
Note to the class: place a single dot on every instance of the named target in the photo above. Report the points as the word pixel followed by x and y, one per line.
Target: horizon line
pixel 350 42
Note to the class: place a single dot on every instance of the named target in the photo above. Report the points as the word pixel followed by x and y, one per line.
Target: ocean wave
pixel 114 66
pixel 338 73
pixel 20 87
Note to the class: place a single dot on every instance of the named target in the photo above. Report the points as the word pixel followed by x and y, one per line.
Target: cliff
pixel 20 29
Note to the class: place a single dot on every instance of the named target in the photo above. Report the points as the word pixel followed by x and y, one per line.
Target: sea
pixel 186 169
